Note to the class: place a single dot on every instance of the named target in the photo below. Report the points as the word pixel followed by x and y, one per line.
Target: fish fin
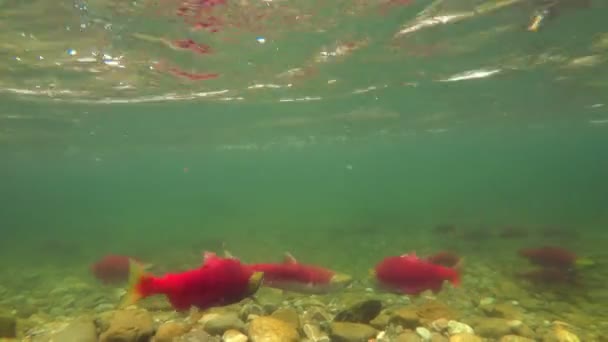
pixel 255 281
pixel 229 255
pixel 208 256
pixel 535 23
pixel 289 259
pixel 134 293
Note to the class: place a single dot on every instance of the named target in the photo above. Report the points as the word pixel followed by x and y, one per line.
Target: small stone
pixel 486 301
pixel 361 312
pixel 381 321
pixel 8 326
pixel 314 333
pixel 351 332
pixel 129 325
pixel 560 334
pixel 504 310
pixel 437 337
pixel 515 338
pixel 269 329
pixel 234 336
pixel 440 325
pixel 251 309
pixel 216 323
pixel 493 327
pixel 168 331
pixel 405 317
pixel 287 315
pixel 464 337
pixel 408 336
pixel 315 315
pixel 424 333
pixel 197 335
pixel 455 327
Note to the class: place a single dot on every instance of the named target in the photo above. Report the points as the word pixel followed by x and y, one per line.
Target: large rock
pixel 270 329
pixel 129 326
pixel 80 330
pixel 8 326
pixel 361 312
pixel 351 332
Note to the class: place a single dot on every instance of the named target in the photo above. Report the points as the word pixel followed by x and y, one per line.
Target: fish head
pixel 255 281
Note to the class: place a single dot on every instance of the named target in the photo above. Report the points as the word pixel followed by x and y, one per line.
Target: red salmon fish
pixel 294 276
pixel 550 256
pixel 113 269
pixel 218 282
pixel 411 275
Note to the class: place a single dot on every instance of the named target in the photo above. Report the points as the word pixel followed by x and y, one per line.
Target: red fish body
pixel 550 256
pixel 218 282
pixel 411 275
pixel 294 276
pixel 112 269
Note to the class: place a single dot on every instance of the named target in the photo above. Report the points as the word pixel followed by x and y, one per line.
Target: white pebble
pixel 424 333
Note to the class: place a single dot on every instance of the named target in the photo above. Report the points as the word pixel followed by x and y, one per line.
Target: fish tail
pixel 137 288
pixel 456 279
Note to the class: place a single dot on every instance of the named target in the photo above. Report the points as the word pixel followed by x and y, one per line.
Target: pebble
pixel 314 333
pixel 234 336
pixel 361 312
pixel 168 331
pixel 217 323
pixel 81 330
pixel 351 332
pixel 269 329
pixel 464 337
pixel 405 317
pixel 515 338
pixel 424 333
pixel 455 327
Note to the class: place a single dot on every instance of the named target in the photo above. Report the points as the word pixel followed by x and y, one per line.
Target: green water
pixel 340 160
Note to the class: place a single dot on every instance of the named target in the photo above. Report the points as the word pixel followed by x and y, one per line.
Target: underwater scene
pixel 282 171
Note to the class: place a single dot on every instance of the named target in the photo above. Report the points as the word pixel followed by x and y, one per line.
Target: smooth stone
pixel 560 334
pixel 80 330
pixel 361 312
pixel 437 337
pixel 287 315
pixel 381 321
pixel 314 333
pixel 405 317
pixel 129 326
pixel 455 327
pixel 168 331
pixel 234 336
pixel 197 335
pixel 424 333
pixel 440 325
pixel 464 337
pixel 216 323
pixel 493 327
pixel 351 332
pixel 269 329
pixel 515 338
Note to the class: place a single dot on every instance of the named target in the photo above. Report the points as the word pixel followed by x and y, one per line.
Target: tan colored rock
pixel 515 338
pixel 234 336
pixel 270 329
pixel 134 325
pixel 560 334
pixel 351 332
pixel 464 337
pixel 216 323
pixel 408 336
pixel 381 321
pixel 168 331
pixel 405 317
pixel 81 330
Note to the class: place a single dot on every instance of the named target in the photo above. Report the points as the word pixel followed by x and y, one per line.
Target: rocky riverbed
pixel 50 305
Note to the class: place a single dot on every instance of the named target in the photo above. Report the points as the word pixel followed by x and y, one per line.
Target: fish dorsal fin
pixel 208 256
pixel 227 254
pixel 289 259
